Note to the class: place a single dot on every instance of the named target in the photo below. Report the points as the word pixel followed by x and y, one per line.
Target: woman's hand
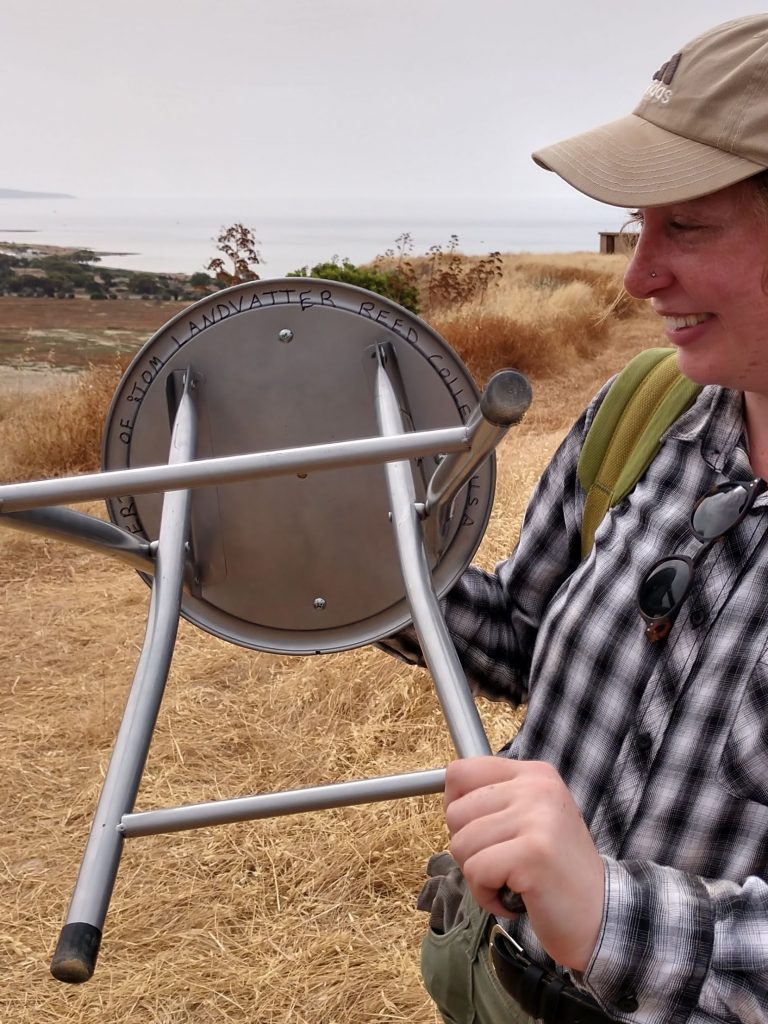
pixel 515 823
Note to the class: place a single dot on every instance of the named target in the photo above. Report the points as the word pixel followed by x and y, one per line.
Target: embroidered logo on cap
pixel 666 72
pixel 659 90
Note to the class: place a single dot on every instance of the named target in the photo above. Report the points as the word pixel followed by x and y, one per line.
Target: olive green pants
pixel 458 975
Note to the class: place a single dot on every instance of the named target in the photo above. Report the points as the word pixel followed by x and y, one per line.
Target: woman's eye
pixel 682 225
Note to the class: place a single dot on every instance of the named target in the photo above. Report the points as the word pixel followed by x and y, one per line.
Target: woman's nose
pixel 640 278
pixel 646 271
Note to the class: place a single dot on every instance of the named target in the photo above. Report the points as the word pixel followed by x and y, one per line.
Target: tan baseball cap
pixel 701 125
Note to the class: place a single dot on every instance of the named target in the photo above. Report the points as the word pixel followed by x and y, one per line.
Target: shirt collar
pixel 716 421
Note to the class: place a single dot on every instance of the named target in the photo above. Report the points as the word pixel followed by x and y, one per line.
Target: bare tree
pixel 240 247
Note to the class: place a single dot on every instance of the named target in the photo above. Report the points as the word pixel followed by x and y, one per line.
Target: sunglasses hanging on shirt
pixel 668 582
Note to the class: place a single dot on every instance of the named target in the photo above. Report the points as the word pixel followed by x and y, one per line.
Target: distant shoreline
pixel 16 193
pixel 22 248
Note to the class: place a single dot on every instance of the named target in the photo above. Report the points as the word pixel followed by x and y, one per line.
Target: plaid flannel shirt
pixel 663 746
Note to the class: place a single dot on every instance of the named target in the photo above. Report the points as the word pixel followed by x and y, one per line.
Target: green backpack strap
pixel 642 403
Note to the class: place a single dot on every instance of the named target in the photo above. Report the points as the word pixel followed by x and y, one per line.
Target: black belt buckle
pixel 540 993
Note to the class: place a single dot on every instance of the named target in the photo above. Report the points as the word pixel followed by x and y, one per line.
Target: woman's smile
pixel 702 264
pixel 682 328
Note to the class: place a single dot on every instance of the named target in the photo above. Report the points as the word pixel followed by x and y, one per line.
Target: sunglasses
pixel 668 582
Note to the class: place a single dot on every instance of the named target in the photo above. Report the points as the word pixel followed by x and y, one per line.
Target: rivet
pixel 285 335
pixel 319 603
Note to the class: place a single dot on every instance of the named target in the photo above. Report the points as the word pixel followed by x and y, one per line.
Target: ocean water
pixel 177 234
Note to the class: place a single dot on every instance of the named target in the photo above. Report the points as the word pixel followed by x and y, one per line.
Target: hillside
pixel 41 271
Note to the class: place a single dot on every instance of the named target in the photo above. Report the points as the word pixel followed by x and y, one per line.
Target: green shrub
pixel 144 284
pixel 202 280
pixel 31 285
pixel 388 283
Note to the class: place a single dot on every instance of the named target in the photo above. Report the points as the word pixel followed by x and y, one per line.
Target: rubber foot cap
pixel 76 951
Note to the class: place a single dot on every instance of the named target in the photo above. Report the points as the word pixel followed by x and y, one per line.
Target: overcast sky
pixel 401 99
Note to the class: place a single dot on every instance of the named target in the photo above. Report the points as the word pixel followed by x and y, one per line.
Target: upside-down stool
pixel 296 466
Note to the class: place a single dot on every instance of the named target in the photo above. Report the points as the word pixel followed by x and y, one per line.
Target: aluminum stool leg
pixel 454 695
pixel 75 957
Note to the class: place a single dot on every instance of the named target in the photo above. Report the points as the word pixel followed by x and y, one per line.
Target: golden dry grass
pixel 305 919
pixel 61 427
pixel 541 317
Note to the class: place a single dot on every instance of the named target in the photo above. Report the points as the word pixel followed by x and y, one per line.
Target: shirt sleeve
pixel 677 947
pixel 494 617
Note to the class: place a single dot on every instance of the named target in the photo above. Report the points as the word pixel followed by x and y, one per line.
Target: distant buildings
pixel 618 241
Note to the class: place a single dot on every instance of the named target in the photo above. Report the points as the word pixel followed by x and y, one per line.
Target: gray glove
pixel 442 893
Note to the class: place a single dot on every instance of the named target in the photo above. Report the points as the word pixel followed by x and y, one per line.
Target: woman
pixel 631 813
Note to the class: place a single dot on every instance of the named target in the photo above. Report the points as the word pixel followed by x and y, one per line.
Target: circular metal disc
pixel 299 564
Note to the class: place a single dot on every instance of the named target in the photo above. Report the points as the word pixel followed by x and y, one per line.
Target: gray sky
pixel 403 99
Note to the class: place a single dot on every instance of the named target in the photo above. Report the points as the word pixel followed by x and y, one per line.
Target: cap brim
pixel 632 162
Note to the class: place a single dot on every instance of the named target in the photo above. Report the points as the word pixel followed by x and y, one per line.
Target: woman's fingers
pixel 515 823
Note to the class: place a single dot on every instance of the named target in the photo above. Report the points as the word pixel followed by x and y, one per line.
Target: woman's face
pixel 709 259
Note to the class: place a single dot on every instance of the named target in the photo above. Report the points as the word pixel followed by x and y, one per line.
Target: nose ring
pixel 653 273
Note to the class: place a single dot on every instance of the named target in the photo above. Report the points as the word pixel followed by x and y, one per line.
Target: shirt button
pixel 644 741
pixel 698 616
pixel 627 1002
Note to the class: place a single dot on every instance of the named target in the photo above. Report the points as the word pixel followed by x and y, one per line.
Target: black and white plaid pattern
pixel 665 746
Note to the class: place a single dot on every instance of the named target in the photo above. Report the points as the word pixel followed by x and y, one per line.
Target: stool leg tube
pixel 75 957
pixel 459 709
pixel 455 698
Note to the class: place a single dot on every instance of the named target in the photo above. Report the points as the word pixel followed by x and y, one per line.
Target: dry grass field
pixel 306 919
pixel 77 331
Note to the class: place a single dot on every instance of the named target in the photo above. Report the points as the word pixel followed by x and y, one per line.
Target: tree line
pixel 79 275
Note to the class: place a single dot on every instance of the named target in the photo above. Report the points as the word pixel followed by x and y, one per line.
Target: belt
pixel 540 993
